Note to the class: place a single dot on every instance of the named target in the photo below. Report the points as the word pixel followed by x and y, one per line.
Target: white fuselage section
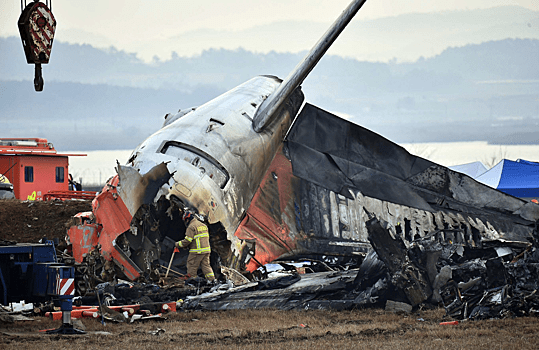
pixel 216 158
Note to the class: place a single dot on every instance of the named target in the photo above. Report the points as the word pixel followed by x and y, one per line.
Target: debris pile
pixel 496 280
pixel 494 286
pixel 128 301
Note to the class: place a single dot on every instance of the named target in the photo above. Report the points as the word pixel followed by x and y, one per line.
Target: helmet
pixel 187 215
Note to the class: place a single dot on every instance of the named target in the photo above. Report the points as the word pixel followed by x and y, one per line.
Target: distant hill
pixel 405 37
pixel 105 98
pixel 503 59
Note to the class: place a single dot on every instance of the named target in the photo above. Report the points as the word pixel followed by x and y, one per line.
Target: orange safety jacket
pixel 197 238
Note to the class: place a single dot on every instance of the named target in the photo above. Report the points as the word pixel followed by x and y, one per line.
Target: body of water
pixel 98 166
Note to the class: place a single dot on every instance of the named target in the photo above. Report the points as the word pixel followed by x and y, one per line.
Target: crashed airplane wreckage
pixel 277 178
pixel 310 203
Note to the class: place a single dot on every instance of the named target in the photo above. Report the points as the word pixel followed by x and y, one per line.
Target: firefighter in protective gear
pixel 197 240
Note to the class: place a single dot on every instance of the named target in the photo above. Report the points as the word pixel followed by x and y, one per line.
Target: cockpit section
pixel 199 159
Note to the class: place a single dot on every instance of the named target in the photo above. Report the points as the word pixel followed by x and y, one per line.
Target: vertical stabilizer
pixel 270 106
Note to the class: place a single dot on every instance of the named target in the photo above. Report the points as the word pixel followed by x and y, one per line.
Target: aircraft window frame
pixel 196 161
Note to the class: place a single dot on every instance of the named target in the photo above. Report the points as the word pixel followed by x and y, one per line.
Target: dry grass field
pixel 289 330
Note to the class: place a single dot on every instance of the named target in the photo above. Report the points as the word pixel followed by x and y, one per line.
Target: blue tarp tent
pixel 527 162
pixel 473 170
pixel 519 179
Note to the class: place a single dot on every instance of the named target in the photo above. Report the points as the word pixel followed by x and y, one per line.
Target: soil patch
pixel 30 221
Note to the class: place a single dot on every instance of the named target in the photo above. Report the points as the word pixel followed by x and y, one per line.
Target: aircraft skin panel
pixel 192 130
pixel 319 206
pixel 360 158
pixel 271 218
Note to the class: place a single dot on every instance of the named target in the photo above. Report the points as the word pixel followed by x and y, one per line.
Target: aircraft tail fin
pixel 272 104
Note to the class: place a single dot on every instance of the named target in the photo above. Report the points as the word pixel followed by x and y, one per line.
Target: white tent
pixel 473 170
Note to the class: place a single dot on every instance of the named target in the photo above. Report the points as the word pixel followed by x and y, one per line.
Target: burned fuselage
pixel 216 159
pixel 311 201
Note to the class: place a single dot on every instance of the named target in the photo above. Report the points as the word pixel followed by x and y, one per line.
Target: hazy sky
pixel 135 24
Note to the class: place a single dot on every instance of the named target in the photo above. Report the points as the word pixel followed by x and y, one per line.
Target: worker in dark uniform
pixel 197 240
